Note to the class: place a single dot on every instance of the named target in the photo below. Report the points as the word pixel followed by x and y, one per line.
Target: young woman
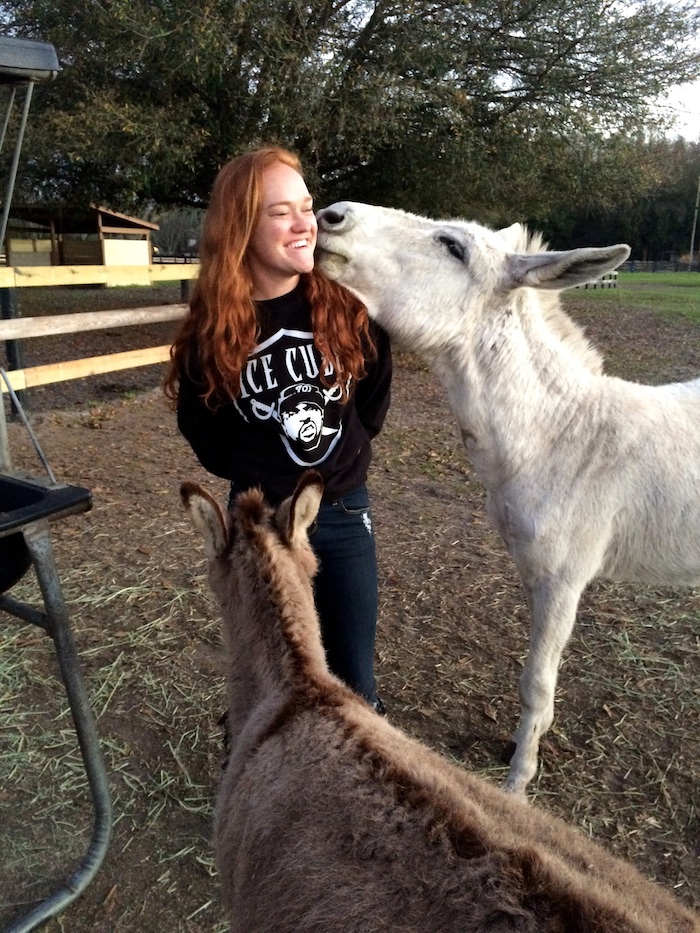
pixel 277 370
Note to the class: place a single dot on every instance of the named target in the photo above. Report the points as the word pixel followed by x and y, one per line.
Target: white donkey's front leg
pixel 553 607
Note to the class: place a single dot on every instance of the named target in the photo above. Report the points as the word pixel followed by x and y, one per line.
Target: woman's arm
pixel 205 429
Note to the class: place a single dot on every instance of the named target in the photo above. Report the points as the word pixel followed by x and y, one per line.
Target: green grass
pixel 674 279
pixel 674 293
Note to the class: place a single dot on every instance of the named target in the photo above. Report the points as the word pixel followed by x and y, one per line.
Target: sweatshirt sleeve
pixel 204 429
pixel 373 393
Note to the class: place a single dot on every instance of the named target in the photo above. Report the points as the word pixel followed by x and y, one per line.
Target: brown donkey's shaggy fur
pixel 329 819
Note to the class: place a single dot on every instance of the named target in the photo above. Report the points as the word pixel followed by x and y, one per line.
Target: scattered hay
pixel 622 761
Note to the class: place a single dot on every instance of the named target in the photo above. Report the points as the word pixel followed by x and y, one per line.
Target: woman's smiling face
pixel 284 238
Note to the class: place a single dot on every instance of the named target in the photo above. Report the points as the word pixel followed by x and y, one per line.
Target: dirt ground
pixel 622 761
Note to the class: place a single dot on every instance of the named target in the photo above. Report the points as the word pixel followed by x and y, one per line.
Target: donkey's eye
pixel 454 247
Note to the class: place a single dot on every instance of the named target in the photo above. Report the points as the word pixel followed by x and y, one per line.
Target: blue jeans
pixel 346 587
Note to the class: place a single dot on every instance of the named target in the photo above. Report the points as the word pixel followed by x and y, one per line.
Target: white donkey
pixel 587 475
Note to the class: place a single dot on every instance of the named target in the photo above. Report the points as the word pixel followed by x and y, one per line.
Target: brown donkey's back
pixel 329 819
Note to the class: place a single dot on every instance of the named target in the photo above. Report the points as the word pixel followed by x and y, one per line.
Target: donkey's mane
pixel 529 241
pixel 258 523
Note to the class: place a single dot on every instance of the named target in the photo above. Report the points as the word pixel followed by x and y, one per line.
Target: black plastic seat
pixel 23 501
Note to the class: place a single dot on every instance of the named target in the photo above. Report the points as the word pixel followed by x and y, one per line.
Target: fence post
pixel 13 348
pixel 695 223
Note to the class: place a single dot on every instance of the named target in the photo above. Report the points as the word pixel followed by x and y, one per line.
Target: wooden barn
pixel 96 236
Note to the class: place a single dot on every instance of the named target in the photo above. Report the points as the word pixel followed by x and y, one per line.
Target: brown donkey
pixel 330 820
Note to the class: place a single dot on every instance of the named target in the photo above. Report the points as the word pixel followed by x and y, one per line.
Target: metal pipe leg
pixel 58 624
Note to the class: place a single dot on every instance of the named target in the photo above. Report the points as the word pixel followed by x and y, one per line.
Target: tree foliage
pixel 655 216
pixel 179 231
pixel 467 106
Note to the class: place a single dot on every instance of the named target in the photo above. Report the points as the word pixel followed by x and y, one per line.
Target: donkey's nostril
pixel 331 216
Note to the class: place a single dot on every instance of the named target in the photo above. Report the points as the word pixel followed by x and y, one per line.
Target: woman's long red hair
pixel 221 327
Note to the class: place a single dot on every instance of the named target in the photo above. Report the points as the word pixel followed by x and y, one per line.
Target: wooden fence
pixel 609 280
pixel 37 276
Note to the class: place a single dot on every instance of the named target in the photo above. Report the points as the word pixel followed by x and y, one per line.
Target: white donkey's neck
pixel 513 391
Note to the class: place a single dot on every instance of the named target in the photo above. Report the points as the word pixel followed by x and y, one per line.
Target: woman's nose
pixel 304 221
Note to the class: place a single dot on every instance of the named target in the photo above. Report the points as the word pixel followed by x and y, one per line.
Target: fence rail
pixel 659 265
pixel 37 276
pixel 183 257
pixel 25 328
pixel 609 280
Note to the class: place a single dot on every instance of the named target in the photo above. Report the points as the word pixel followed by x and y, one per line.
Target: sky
pixel 685 101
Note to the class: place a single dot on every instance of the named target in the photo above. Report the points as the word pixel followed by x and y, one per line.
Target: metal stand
pixel 23 63
pixel 27 505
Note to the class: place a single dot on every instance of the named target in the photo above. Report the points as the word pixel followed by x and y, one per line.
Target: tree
pixel 654 217
pixel 419 102
pixel 178 231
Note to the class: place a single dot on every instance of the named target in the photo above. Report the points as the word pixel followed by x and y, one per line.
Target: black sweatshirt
pixel 285 421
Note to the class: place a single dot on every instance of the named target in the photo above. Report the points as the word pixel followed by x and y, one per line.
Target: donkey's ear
pixel 299 512
pixel 559 270
pixel 207 517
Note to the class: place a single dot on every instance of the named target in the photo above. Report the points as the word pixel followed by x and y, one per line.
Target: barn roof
pixel 79 220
